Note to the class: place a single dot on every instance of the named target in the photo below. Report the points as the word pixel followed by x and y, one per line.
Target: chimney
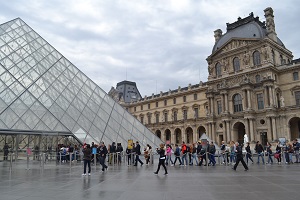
pixel 270 24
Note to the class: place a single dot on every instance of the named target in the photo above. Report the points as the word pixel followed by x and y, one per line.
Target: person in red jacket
pixel 184 154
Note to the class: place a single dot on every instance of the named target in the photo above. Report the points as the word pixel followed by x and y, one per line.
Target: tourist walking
pixel 232 152
pixel 269 153
pixel 162 159
pixel 277 155
pixel 194 155
pixel 129 154
pixel 212 151
pixel 248 153
pixel 184 154
pixel 239 157
pixel 87 157
pixel 260 152
pixel 169 155
pixel 177 154
pixel 296 146
pixel 5 151
pixel 138 153
pixel 102 155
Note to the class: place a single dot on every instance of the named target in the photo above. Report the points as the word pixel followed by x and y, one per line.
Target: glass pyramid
pixel 42 91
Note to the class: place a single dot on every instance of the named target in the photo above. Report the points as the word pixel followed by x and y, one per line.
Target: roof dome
pixel 247 28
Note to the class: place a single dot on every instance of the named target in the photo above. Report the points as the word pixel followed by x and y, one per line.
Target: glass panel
pixel 56 111
pixel 95 133
pixel 19 107
pixel 41 126
pixel 7 96
pixel 7 78
pixel 116 116
pixel 68 121
pixel 84 122
pixel 17 88
pixel 99 123
pixel 50 121
pixel 89 114
pixel 30 119
pixel 73 112
pixel 27 98
pixel 20 125
pixel 35 90
pixel 103 115
pixel 38 109
pixel 111 134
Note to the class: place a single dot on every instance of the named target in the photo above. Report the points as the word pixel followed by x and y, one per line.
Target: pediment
pixel 233 44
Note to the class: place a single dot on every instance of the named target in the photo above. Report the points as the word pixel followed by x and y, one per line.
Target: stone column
pixel 266 96
pixel 249 99
pixel 209 130
pixel 251 130
pixel 269 134
pixel 209 105
pixel 195 135
pixel 224 132
pixel 212 106
pixel 274 128
pixel 183 134
pixel 226 103
pixel 173 137
pixel 223 103
pixel 213 132
pixel 228 131
pixel 244 100
pixel 271 96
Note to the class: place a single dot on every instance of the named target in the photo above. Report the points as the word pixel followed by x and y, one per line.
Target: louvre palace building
pixel 253 88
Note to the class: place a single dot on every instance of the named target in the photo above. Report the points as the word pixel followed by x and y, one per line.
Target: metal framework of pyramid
pixel 43 92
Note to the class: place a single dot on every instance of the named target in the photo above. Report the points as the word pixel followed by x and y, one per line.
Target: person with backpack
pixel 177 155
pixel 269 153
pixel 260 152
pixel 184 154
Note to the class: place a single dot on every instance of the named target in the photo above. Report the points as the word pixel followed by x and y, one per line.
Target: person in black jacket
pixel 138 153
pixel 260 152
pixel 239 157
pixel 248 153
pixel 87 156
pixel 102 155
pixel 212 151
pixel 119 150
pixel 162 158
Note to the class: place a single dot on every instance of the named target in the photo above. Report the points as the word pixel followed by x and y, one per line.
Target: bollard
pixel 95 161
pixel 206 159
pixel 70 159
pixel 44 160
pixel 11 160
pixel 28 162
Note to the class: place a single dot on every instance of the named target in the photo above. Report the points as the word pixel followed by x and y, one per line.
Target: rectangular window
pixel 175 116
pixel 195 96
pixel 165 102
pixel 157 118
pixel 149 119
pixel 219 106
pixel 166 117
pixel 295 76
pixel 297 96
pixel 142 119
pixel 260 101
pixel 196 112
pixel 134 109
pixel 184 98
pixel 148 105
pixel 156 104
pixel 174 101
pixel 141 107
pixel 184 114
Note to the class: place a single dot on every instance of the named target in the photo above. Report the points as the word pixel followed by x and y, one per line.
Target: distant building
pixel 126 91
pixel 253 88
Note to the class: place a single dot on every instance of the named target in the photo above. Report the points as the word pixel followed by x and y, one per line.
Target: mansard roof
pixel 247 28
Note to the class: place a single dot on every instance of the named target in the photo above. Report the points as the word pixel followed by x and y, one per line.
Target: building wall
pixel 277 117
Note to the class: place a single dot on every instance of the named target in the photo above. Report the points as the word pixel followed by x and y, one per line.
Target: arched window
pixel 218 69
pixel 256 58
pixel 257 78
pixel 236 64
pixel 237 103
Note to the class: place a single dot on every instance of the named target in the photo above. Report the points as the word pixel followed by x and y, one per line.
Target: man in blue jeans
pixel 102 155
pixel 138 153
pixel 260 152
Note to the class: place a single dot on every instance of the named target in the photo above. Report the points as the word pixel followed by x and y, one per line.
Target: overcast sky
pixel 161 44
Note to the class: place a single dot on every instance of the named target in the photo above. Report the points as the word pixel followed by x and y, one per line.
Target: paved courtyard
pixel 135 183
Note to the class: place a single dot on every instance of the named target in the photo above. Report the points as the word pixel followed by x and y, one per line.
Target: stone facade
pixel 253 88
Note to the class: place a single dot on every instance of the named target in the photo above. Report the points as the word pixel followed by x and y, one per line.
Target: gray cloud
pixel 161 44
